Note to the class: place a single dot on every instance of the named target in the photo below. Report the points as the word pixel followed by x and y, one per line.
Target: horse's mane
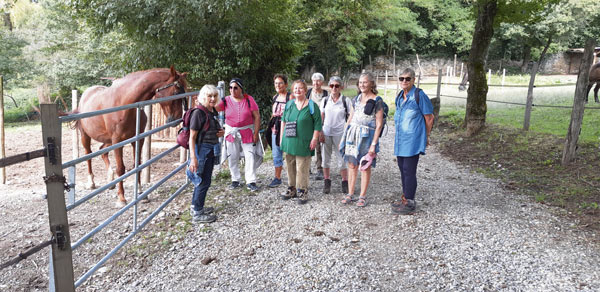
pixel 155 70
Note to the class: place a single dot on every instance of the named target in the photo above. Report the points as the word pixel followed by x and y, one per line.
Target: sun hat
pixel 365 161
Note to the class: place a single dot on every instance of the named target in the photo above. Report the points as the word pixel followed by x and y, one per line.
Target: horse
pixel 115 127
pixel 594 79
pixel 463 83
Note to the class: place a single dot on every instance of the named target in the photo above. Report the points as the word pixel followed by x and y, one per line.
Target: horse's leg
pixel 596 91
pixel 588 91
pixel 86 142
pixel 120 171
pixel 110 174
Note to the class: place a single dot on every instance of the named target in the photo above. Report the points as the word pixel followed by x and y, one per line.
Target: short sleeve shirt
pixel 335 115
pixel 411 133
pixel 306 124
pixel 238 114
pixel 197 121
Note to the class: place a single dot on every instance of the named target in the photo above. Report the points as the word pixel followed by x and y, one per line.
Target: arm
pixel 282 132
pixel 315 140
pixel 256 117
pixel 378 129
pixel 321 135
pixel 193 159
pixel 428 125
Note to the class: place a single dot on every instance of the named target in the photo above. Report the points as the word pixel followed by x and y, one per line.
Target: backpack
pixel 183 136
pixel 343 101
pixel 311 106
pixel 386 110
pixel 246 97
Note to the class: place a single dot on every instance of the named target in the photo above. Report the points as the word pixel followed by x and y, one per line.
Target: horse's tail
pixel 76 124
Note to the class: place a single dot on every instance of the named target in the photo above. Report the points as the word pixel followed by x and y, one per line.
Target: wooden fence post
pixel 2 141
pixel 386 85
pixel 578 103
pixel 529 103
pixel 62 262
pixel 147 149
pixel 436 101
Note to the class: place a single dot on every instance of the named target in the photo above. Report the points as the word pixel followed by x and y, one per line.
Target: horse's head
pixel 176 84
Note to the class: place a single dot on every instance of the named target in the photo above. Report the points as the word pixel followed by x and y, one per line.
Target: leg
pixel 233 150
pixel 139 156
pixel 589 87
pixel 290 161
pixel 302 177
pixel 319 162
pixel 596 91
pixel 277 157
pixel 110 175
pixel 86 143
pixel 249 171
pixel 200 191
pixel 352 173
pixel 120 172
pixel 409 176
pixel 326 151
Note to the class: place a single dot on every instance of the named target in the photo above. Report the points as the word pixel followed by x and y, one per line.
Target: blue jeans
pixel 408 174
pixel 203 177
pixel 277 154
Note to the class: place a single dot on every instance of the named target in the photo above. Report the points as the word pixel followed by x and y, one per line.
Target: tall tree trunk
pixel 7 22
pixel 534 71
pixel 578 103
pixel 526 57
pixel 478 88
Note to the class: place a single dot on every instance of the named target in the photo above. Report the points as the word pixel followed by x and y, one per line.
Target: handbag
pixel 290 129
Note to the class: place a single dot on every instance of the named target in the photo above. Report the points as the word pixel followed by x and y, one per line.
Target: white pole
pixel 74 103
pixel 461 70
pixel 489 76
pixel 386 85
pixel 397 82
pixel 503 75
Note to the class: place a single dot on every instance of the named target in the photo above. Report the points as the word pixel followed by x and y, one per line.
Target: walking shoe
pixel 397 204
pixel 327 186
pixel 290 193
pixel 407 208
pixel 275 183
pixel 344 187
pixel 204 218
pixel 234 185
pixel 319 175
pixel 252 187
pixel 205 210
pixel 302 196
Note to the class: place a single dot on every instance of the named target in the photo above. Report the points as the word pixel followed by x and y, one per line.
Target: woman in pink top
pixel 242 122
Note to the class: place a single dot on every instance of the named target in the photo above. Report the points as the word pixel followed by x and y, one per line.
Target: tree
pixel 13 64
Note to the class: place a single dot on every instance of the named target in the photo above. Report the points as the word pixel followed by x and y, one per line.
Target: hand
pixel 372 150
pixel 313 143
pixel 321 137
pixel 428 141
pixel 221 133
pixel 193 164
pixel 255 138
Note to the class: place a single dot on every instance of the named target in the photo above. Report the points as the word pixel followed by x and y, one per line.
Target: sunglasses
pixel 334 85
pixel 233 87
pixel 404 78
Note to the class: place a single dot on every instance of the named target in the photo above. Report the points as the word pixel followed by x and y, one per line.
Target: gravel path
pixel 469 234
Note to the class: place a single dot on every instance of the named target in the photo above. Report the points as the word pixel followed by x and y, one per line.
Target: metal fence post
pixel 62 262
pixel 2 141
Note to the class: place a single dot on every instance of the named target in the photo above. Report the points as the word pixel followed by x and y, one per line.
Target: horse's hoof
pixel 90 186
pixel 120 204
pixel 112 188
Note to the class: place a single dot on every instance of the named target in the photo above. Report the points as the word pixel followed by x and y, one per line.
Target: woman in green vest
pixel 301 124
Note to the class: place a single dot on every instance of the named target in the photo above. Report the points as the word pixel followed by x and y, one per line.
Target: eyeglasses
pixel 404 78
pixel 334 85
pixel 233 87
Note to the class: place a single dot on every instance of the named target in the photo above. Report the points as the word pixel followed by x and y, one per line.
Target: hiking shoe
pixel 290 193
pixel 327 186
pixel 302 196
pixel 344 187
pixel 275 183
pixel 204 218
pixel 252 187
pixel 319 175
pixel 234 185
pixel 205 210
pixel 407 208
pixel 397 204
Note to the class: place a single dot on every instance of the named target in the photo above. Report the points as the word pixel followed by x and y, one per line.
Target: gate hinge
pixel 51 148
pixel 58 178
pixel 59 237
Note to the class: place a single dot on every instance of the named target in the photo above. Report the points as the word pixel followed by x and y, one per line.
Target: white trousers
pixel 331 148
pixel 234 149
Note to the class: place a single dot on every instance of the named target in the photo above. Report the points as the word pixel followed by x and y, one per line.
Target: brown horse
pixel 594 78
pixel 115 127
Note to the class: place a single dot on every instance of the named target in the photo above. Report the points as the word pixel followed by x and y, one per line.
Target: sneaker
pixel 407 207
pixel 397 204
pixel 290 193
pixel 319 175
pixel 234 185
pixel 252 187
pixel 344 187
pixel 327 186
pixel 275 183
pixel 302 196
pixel 205 210
pixel 204 218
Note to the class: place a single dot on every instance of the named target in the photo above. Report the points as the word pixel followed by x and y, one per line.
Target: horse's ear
pixel 184 75
pixel 173 72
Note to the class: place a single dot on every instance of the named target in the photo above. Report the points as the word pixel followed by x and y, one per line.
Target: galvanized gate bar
pixel 120 144
pixel 122 210
pixel 133 233
pixel 136 163
pixel 121 178
pixel 62 262
pixel 72 117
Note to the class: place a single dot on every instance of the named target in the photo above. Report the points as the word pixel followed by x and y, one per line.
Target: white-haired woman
pixel 335 111
pixel 205 131
pixel 361 138
pixel 316 94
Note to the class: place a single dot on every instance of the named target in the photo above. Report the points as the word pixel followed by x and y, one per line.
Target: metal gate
pixel 61 263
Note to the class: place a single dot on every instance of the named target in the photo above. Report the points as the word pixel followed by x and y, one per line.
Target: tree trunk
pixel 526 58
pixel 578 103
pixel 534 71
pixel 478 88
pixel 7 21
